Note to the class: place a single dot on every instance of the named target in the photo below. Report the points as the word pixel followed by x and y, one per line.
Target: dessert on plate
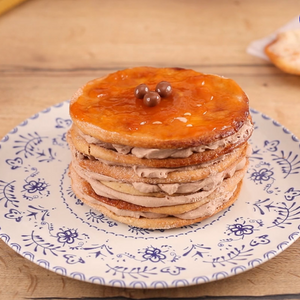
pixel 159 148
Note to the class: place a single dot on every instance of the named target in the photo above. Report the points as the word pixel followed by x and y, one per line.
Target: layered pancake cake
pixel 159 148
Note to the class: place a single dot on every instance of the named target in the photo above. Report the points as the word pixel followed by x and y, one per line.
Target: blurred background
pixel 49 48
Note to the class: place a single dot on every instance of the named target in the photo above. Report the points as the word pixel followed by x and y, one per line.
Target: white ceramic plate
pixel 42 220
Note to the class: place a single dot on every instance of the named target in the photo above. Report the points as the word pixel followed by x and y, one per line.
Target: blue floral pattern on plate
pixel 42 219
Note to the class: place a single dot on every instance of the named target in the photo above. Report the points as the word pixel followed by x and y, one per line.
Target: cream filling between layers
pixel 143 189
pixel 185 188
pixel 160 173
pixel 148 200
pixel 206 209
pixel 151 172
pixel 244 133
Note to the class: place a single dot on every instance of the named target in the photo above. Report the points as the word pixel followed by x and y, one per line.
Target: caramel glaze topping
pixel 201 109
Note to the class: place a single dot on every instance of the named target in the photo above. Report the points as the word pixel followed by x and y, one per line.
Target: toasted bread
pixel 284 51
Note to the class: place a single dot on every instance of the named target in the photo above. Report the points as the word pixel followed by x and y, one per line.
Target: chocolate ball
pixel 141 90
pixel 164 88
pixel 151 99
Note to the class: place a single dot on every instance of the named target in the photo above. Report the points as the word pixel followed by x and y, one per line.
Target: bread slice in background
pixel 284 51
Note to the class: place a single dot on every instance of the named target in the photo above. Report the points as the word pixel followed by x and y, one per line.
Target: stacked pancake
pixel 165 165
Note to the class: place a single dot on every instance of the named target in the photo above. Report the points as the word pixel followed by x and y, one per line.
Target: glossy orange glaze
pixel 201 108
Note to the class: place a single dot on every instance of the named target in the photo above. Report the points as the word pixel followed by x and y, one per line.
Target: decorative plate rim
pixel 158 261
